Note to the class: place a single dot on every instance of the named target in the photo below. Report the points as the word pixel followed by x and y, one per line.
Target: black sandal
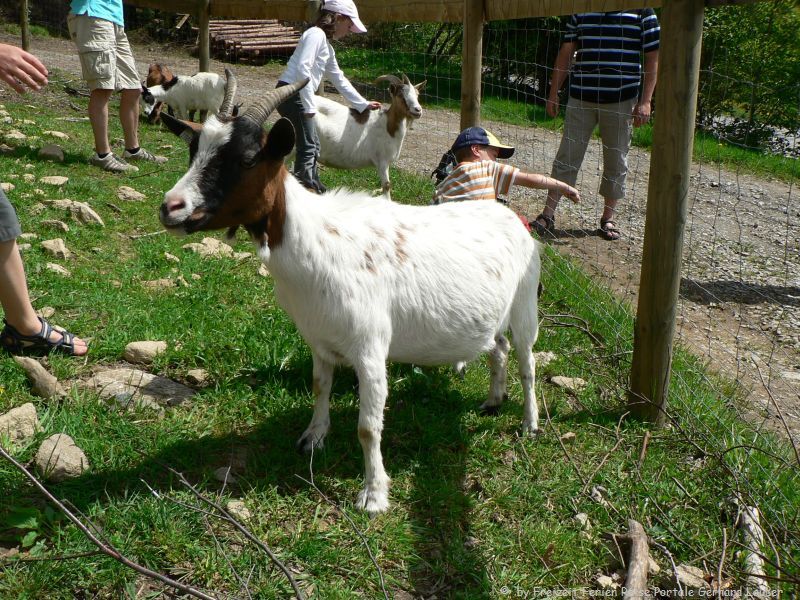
pixel 40 344
pixel 546 230
pixel 608 230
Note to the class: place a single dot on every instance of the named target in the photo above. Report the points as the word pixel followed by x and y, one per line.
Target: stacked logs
pixel 251 41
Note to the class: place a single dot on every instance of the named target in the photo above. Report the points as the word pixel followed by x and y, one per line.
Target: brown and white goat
pixel 352 140
pixel 157 74
pixel 365 280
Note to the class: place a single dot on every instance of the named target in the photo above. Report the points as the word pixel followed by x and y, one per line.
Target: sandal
pixel 608 230
pixel 40 344
pixel 546 230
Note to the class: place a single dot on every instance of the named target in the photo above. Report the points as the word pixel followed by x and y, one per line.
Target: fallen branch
pixel 636 579
pixel 749 522
pixel 105 548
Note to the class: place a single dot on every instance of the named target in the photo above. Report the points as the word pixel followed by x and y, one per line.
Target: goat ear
pixel 280 140
pixel 185 131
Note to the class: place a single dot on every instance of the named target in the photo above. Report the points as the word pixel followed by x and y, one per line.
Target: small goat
pixel 365 280
pixel 157 74
pixel 203 92
pixel 349 140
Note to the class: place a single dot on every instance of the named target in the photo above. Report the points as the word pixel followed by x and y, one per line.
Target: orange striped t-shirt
pixel 479 180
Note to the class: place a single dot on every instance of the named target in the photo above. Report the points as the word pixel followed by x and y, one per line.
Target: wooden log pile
pixel 251 41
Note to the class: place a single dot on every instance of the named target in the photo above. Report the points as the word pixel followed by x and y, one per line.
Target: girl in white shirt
pixel 314 59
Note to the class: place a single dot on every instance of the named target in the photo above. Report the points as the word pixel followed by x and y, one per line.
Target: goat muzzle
pixel 260 111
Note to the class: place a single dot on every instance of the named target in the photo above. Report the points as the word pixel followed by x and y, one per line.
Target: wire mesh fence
pixel 735 400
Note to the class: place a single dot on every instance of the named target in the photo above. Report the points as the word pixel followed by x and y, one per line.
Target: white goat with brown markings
pixel 365 280
pixel 352 140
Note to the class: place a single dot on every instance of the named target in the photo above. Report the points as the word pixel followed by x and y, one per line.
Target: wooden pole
pixel 472 59
pixel 670 160
pixel 24 25
pixel 203 40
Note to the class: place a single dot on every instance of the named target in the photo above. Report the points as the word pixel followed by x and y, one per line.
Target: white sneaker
pixel 110 162
pixel 143 154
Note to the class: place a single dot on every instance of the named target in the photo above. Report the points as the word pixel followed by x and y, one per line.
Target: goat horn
pixel 259 111
pixel 406 79
pixel 390 78
pixel 230 91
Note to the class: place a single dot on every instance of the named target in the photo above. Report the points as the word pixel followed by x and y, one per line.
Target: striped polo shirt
pixel 609 47
pixel 478 180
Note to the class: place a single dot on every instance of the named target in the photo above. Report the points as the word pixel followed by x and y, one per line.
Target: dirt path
pixel 740 294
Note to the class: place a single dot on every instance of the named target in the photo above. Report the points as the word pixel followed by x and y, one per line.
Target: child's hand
pixel 374 105
pixel 571 193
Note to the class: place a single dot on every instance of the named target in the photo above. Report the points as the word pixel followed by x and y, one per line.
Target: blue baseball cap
pixel 481 137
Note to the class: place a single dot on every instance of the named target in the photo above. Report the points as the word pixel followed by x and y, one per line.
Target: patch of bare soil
pixel 740 292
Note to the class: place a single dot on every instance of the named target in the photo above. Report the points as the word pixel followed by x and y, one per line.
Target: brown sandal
pixel 608 230
pixel 546 230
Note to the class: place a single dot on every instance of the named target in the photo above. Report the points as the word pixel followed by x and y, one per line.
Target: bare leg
pixel 374 498
pixel 98 117
pixel 129 116
pixel 15 299
pixel 314 435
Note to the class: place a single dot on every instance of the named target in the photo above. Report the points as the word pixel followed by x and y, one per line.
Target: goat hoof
pixel 531 431
pixel 489 410
pixel 309 442
pixel 372 501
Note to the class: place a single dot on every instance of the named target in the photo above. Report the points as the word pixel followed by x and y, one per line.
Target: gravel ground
pixel 740 292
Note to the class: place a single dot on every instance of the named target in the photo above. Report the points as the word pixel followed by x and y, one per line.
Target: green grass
pixel 475 508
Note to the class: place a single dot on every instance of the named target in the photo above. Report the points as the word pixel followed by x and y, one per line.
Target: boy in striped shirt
pixel 478 175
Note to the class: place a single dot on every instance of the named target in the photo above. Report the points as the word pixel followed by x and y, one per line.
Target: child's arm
pixel 534 180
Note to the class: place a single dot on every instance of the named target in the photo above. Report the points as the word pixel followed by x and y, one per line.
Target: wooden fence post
pixel 24 25
pixel 203 38
pixel 670 161
pixel 472 59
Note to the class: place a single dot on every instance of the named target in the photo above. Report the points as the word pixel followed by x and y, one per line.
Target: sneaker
pixel 143 154
pixel 111 163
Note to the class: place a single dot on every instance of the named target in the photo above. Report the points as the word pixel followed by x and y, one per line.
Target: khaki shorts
pixel 106 58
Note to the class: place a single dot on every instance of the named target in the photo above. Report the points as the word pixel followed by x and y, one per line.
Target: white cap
pixel 348 9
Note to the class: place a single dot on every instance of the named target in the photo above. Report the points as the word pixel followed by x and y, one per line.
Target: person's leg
pixel 306 146
pixel 579 122
pixel 129 117
pixel 616 128
pixel 98 117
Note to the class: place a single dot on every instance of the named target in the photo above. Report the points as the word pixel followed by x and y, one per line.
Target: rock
pixel 52 152
pixel 691 577
pixel 60 135
pixel 263 270
pixel 46 312
pixel 171 257
pixel 27 236
pixel 128 193
pixel 582 519
pixel 470 543
pixel 242 255
pixel 544 358
pixel 599 494
pixel 210 247
pixel 20 424
pixel 159 284
pixel 55 224
pixel 130 401
pixel 57 248
pixel 24 247
pixel 113 384
pixel 43 383
pixel 16 135
pixel 58 269
pixel 197 376
pixel 143 352
pixel 29 177
pixel 6 149
pixel 59 458
pixel 606 583
pixel 225 475
pixel 57 180
pixel 80 211
pixel 238 510
pixel 573 384
pixel 7 187
pixel 568 437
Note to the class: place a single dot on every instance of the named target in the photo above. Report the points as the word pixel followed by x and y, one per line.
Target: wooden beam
pixel 24 25
pixel 670 160
pixel 203 41
pixel 472 59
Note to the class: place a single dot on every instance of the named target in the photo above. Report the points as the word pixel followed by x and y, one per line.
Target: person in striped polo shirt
pixel 478 175
pixel 606 89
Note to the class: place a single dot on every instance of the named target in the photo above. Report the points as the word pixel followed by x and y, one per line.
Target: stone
pixel 52 152
pixel 171 258
pixel 29 177
pixel 58 269
pixel 582 519
pixel 568 437
pixel 24 247
pixel 20 424
pixel 263 270
pixel 46 312
pixel 7 187
pixel 238 510
pixel 159 284
pixel 143 352
pixel 691 577
pixel 225 475
pixel 57 180
pixel 80 211
pixel 59 458
pixel 544 358
pixel 209 247
pixel 15 135
pixel 118 383
pixel 128 193
pixel 27 236
pixel 197 376
pixel 43 383
pixel 60 135
pixel 129 401
pixel 6 149
pixel 55 224
pixel 57 248
pixel 242 255
pixel 573 384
